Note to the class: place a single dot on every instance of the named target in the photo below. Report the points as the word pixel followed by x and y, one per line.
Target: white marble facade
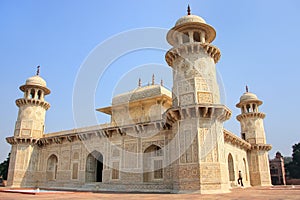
pixel 156 141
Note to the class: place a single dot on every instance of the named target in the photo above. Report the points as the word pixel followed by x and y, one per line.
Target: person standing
pixel 240 179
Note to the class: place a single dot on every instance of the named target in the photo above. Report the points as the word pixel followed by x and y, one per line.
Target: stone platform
pixel 257 193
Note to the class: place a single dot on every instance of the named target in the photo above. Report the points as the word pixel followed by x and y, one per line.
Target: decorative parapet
pixel 251 115
pixel 195 47
pixel 235 140
pixel 86 133
pixel 23 101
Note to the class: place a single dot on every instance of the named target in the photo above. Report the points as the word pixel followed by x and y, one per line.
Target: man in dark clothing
pixel 240 180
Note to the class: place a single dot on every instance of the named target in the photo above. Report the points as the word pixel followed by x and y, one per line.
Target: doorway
pixel 94 167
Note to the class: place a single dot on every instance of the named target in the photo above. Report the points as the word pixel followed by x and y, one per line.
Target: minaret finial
pixel 188 10
pixel 38 71
pixel 153 78
pixel 247 90
pixel 140 82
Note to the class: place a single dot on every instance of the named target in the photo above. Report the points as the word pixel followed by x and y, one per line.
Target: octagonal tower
pixel 196 116
pixel 252 130
pixel 29 129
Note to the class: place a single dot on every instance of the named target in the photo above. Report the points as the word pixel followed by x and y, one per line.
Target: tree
pixel 287 160
pixel 4 168
pixel 296 154
pixel 293 167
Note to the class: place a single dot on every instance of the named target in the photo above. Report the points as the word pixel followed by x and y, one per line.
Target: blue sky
pixel 259 42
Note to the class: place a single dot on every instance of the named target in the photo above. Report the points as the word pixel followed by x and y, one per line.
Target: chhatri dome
pixel 190 19
pixel 189 23
pixel 248 97
pixel 36 81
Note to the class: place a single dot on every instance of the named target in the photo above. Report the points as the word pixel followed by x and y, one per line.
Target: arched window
pixel 39 94
pixel 185 38
pixel 52 167
pixel 274 170
pixel 231 168
pixel 153 163
pixel 196 37
pixel 32 92
pixel 254 108
pixel 248 107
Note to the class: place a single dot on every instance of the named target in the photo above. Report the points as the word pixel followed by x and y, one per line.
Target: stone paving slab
pixel 254 193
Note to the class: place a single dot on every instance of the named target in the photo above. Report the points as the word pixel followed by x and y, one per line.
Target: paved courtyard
pixel 257 193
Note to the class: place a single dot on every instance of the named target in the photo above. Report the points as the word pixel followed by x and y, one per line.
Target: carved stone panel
pixel 204 97
pixel 65 159
pixel 202 84
pixel 187 99
pixel 75 170
pixel 130 155
pixel 186 86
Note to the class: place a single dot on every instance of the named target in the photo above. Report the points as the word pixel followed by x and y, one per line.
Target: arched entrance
pixel 231 168
pixel 94 167
pixel 153 164
pixel 52 167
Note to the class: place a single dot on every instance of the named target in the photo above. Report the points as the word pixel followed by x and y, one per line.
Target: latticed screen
pixel 158 170
pixel 115 171
pixel 75 171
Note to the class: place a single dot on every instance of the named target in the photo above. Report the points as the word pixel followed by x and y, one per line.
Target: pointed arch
pixel 52 164
pixel 32 94
pixel 231 168
pixel 196 36
pixel 94 167
pixel 152 163
pixel 39 94
pixel 245 168
pixel 153 149
pixel 185 38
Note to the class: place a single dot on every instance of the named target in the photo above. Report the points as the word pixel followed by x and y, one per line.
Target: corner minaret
pixel 197 115
pixel 32 108
pixel 193 60
pixel 29 128
pixel 252 130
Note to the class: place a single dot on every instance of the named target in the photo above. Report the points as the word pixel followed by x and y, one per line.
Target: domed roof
pixel 141 93
pixel 246 97
pixel 191 22
pixel 188 19
pixel 36 81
